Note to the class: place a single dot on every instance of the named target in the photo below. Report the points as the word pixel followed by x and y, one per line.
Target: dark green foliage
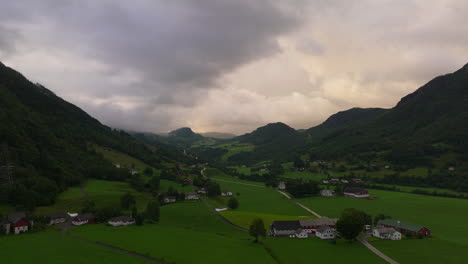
pixel 213 189
pixel 140 219
pixel 89 206
pixel 127 200
pixel 50 143
pixel 153 211
pixel 300 188
pixel 148 171
pixel 104 214
pixel 154 184
pixel 257 229
pixel 350 223
pixel 409 234
pixel 379 217
pixel 233 203
pixel 134 212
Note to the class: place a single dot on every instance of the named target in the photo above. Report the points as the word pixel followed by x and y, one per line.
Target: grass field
pixel 446 217
pixel 255 197
pixel 305 175
pixel 53 248
pixel 187 233
pixel 123 159
pixel 103 193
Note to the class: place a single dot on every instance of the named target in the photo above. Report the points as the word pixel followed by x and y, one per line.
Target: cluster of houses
pixel 355 192
pixel 393 229
pixel 323 228
pixel 16 223
pixel 342 181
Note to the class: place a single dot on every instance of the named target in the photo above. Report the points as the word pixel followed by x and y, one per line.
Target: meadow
pixel 446 217
pixel 53 248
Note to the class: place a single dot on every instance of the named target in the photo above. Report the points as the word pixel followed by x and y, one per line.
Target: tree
pixel 213 189
pixel 127 200
pixel 140 219
pixel 148 171
pixel 380 217
pixel 233 203
pixel 154 184
pixel 134 212
pixel 257 228
pixel 89 207
pixel 350 224
pixel 152 211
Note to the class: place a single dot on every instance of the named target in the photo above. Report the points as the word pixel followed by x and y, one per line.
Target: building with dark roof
pixel 82 219
pixel 284 228
pixel 57 218
pixel 356 192
pixel 121 221
pixel 405 227
pixel 311 225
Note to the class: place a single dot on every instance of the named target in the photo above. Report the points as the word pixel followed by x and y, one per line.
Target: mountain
pixel 426 123
pixel 184 132
pixel 50 143
pixel 272 141
pixel 218 135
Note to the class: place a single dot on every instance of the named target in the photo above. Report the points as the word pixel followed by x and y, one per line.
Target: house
pixel 325 232
pixel 5 225
pixel 121 221
pixel 344 181
pixel 170 199
pixel 285 228
pixel 356 192
pixel 226 194
pixel 405 227
pixel 117 165
pixel 301 234
pixel 311 225
pixel 221 209
pixel 357 180
pixel 201 190
pixel 327 193
pixel 282 185
pixel 18 223
pixel 451 168
pixel 191 196
pixel 82 219
pixel 57 218
pixel 386 233
pixel 133 172
pixel 187 181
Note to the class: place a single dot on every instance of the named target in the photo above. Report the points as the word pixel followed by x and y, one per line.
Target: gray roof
pixel 16 216
pixel 57 215
pixel 399 224
pixel 285 225
pixel 386 230
pixel 323 228
pixel 123 218
pixel 318 221
pixel 86 216
pixel 191 193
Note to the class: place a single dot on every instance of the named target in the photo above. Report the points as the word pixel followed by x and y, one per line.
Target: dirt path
pixel 120 250
pixel 299 204
pixel 375 250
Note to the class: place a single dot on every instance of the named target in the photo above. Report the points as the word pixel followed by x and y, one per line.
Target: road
pixel 360 239
pixel 221 217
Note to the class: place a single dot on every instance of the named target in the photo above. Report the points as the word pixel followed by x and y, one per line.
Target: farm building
pixel 57 218
pixel 404 227
pixel 82 219
pixel 282 185
pixel 386 233
pixel 191 196
pixel 327 193
pixel 170 199
pixel 121 221
pixel 325 232
pixel 17 222
pixel 356 192
pixel 285 228
pixel 311 225
pixel 226 194
pixel 201 191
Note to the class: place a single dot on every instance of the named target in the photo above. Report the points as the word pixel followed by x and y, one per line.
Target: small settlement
pixel 324 228
pixel 17 223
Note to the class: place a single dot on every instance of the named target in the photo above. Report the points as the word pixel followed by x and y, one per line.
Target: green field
pixel 187 233
pixel 103 193
pixel 446 217
pixel 123 159
pixel 53 248
pixel 305 175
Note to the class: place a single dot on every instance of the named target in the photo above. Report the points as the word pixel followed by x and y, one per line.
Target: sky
pixel 231 66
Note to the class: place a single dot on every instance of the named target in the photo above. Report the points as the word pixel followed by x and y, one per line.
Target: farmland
pixel 446 217
pixel 53 248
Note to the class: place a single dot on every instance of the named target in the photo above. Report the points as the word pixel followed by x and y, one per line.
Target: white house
pixel 325 232
pixel 57 218
pixel 301 234
pixel 327 193
pixel 386 233
pixel 282 185
pixel 121 221
pixel 191 196
pixel 133 172
pixel 83 219
pixel 356 192
pixel 170 199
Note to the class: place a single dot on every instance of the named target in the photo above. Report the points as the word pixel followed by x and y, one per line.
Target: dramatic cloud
pixel 231 66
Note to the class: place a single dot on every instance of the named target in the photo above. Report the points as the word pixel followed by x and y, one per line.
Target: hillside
pixel 48 143
pixel 218 135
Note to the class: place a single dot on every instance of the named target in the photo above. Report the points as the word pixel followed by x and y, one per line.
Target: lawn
pixel 446 217
pixel 314 250
pixel 187 233
pixel 255 197
pixel 53 248
pixel 123 159
pixel 305 175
